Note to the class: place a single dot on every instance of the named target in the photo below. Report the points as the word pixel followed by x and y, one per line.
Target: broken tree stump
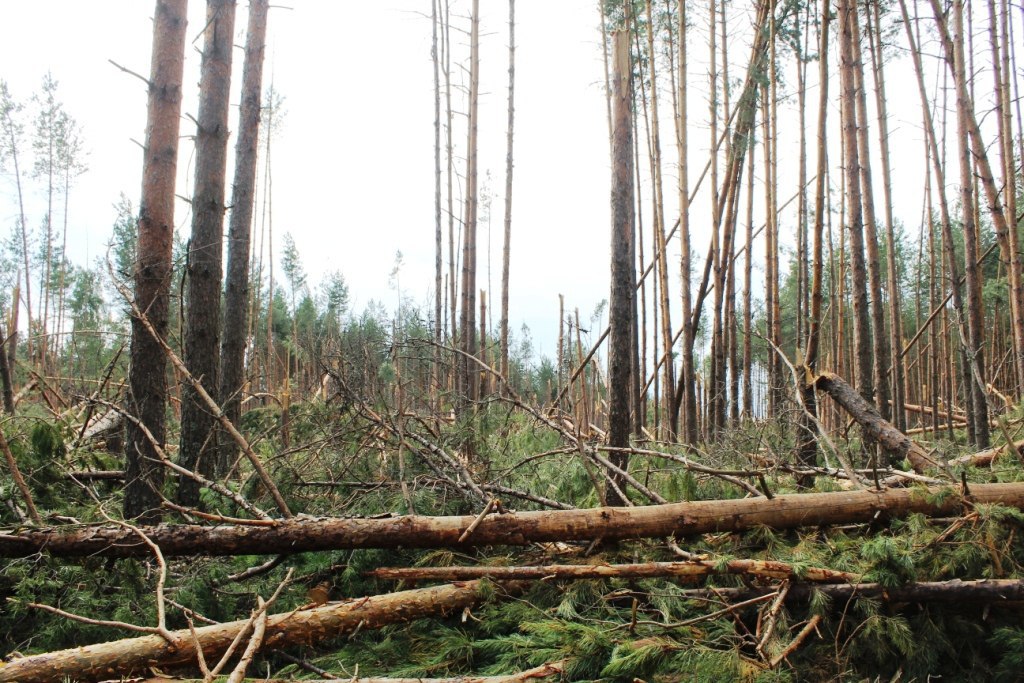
pixel 879 429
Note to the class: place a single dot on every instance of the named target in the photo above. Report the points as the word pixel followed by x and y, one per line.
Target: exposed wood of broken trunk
pixel 876 428
pixel 653 521
pixel 124 657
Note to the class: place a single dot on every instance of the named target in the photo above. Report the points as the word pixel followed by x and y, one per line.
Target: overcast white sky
pixel 353 165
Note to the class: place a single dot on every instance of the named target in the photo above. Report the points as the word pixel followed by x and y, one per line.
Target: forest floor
pixel 732 620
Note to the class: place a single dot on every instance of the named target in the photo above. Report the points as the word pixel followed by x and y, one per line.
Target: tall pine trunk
pixel 623 276
pixel 147 378
pixel 236 290
pixel 506 253
pixel 203 268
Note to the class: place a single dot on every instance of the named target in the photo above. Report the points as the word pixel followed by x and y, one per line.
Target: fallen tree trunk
pixel 982 590
pixel 761 568
pixel 294 535
pixel 137 655
pixel 874 425
pixel 536 673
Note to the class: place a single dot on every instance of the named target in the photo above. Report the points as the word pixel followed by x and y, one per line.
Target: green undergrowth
pixel 613 630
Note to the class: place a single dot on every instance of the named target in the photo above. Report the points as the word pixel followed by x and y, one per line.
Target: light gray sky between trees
pixel 353 163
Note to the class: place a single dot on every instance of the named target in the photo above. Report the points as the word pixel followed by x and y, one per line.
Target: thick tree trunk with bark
pixel 236 290
pixel 623 276
pixel 658 521
pixel 807 444
pixel 854 206
pixel 304 626
pixel 204 266
pixel 147 379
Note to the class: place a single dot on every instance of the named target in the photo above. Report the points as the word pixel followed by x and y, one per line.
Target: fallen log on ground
pixel 299 534
pixel 986 457
pixel 956 590
pixel 137 655
pixel 536 673
pixel 693 568
pixel 879 429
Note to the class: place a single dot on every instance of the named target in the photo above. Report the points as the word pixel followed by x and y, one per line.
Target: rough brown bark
pixel 236 290
pixel 854 204
pixel 137 655
pixel 881 350
pixel 874 425
pixel 147 379
pixel 768 569
pixel 6 383
pixel 807 444
pixel 204 266
pixel 657 521
pixel 623 276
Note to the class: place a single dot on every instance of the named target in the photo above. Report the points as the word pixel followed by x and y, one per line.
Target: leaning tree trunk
pixel 236 291
pixel 622 274
pixel 147 379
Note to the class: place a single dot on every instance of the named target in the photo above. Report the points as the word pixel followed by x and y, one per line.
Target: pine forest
pixel 699 357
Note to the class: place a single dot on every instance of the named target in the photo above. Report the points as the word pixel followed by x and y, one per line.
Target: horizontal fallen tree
pixel 955 590
pixel 768 569
pixel 411 531
pixel 536 673
pixel 303 626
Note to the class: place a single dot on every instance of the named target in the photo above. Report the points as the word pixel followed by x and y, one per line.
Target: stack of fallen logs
pixel 321 621
pixel 466 588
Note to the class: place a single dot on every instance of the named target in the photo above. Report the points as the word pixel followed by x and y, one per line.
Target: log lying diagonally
pixel 136 655
pixel 768 569
pixel 656 521
pixel 874 424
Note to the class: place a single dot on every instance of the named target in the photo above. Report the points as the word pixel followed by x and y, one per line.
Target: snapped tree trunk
pixel 147 379
pixel 785 511
pixel 875 426
pixel 137 655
